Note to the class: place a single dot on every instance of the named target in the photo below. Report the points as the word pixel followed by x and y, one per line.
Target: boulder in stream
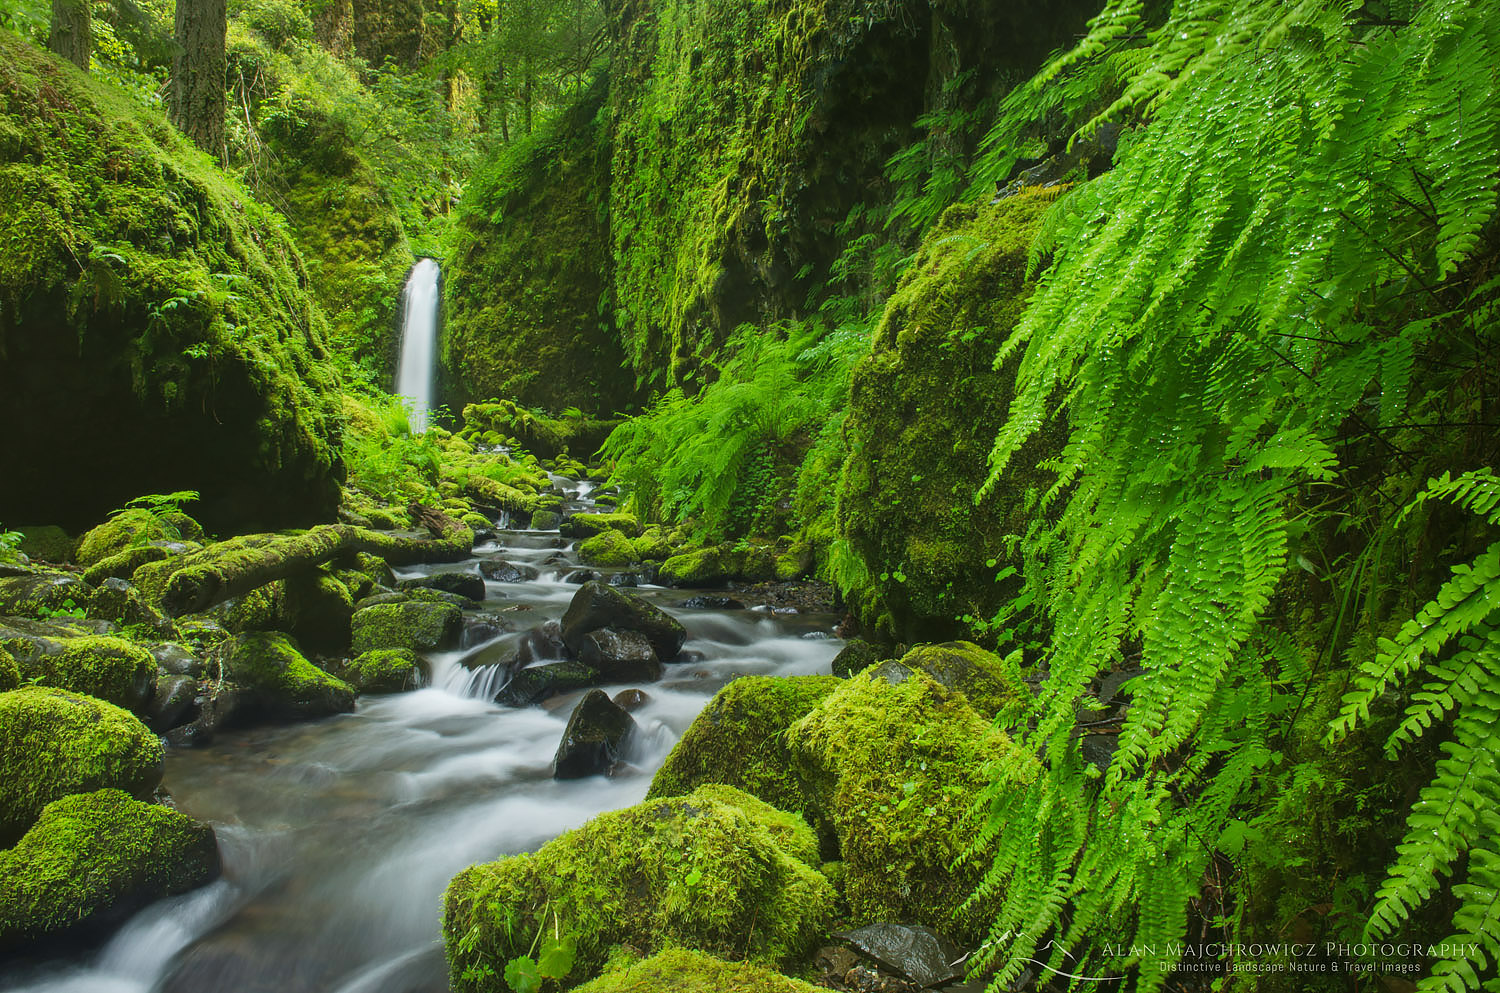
pixel 465 584
pixel 108 668
pixel 539 682
pixel 620 656
pixel 385 670
pixel 422 627
pixel 607 548
pixel 598 606
pixel 275 683
pixel 587 525
pixel 501 571
pixel 594 739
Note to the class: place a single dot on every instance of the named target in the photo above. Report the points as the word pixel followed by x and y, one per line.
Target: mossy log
pixel 235 567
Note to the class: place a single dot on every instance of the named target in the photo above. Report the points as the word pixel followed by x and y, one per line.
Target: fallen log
pixel 234 567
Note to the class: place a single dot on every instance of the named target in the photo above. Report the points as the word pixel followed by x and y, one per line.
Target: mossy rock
pixel 273 682
pixel 129 530
pixel 988 682
pixel 718 565
pixel 653 545
pixel 385 670
pixel 318 609
pixel 10 673
pixel 119 602
pixel 589 525
pixel 546 520
pixel 111 669
pixel 896 767
pixel 855 657
pixel 92 859
pixel 47 543
pixel 43 592
pixel 739 740
pixel 608 548
pixel 54 743
pixel 123 564
pixel 417 625
pixel 717 870
pixel 148 296
pixel 678 970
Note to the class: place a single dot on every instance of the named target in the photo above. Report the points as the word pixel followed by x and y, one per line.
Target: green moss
pixel 125 531
pixel 719 564
pixel 740 740
pixel 988 682
pixel 385 670
pixel 499 496
pixel 588 525
pixel 416 625
pixel 716 870
pixel 10 673
pixel 94 858
pixel 143 289
pixel 653 545
pixel 47 544
pixel 53 743
pixel 678 970
pixel 123 564
pixel 110 669
pixel 276 683
pixel 546 520
pixel 42 592
pixel 896 768
pixel 607 548
pixel 925 408
pixel 546 437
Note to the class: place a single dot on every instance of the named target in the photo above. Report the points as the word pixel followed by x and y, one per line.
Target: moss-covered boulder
pixel 608 548
pixel 855 657
pixel 272 681
pixel 717 870
pixel 678 970
pixel 47 543
pixel 589 525
pixel 110 669
pixel 385 670
pixel 654 545
pixel 718 565
pixel 419 626
pixel 739 740
pixel 134 529
pixel 119 602
pixel 990 684
pixel 94 858
pixel 924 411
pixel 54 743
pixel 142 289
pixel 10 673
pixel 546 520
pixel 43 592
pixel 895 768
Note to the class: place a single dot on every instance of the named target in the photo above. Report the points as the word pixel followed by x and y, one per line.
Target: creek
pixel 339 836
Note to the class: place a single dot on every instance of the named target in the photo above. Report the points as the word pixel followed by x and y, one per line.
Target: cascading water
pixel 416 373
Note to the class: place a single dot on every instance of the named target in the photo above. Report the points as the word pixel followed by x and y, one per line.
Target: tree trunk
pixel 198 74
pixel 72 34
pixel 336 27
pixel 526 94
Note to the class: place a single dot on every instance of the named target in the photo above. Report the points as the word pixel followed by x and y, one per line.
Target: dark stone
pixel 175 660
pixel 1099 749
pixel 537 683
pixel 28 595
pixel 424 595
pixel 625 579
pixel 580 576
pixel 214 712
pixel 687 656
pixel 892 672
pixel 713 603
pixel 381 595
pixel 119 601
pixel 480 628
pixel 595 737
pixel 172 703
pixel 856 656
pixel 542 643
pixel 632 699
pixel 465 584
pixel 501 571
pixel 918 953
pixel 597 606
pixel 620 656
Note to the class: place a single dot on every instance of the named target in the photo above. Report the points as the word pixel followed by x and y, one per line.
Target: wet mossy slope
pixel 155 327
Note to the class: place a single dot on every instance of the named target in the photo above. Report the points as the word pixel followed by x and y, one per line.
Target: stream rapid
pixel 339 836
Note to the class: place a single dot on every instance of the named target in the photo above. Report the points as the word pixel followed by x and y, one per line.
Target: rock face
pixel 597 606
pixel 594 739
pixel 92 859
pixel 422 627
pixel 918 953
pixel 54 743
pixel 717 870
pixel 116 211
pixel 273 682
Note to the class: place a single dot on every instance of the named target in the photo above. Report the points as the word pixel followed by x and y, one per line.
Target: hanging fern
pixel 1232 318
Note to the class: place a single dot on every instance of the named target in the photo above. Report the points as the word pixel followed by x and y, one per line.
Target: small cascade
pixel 416 377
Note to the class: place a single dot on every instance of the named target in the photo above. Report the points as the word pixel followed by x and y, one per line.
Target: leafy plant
pixel 554 953
pixel 160 514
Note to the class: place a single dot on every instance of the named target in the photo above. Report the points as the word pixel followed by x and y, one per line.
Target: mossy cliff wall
pixel 155 327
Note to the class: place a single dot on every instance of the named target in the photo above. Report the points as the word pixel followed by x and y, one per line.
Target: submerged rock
pixel 274 682
pixel 717 870
pixel 93 859
pixel 54 743
pixel 598 606
pixel 594 739
pixel 422 627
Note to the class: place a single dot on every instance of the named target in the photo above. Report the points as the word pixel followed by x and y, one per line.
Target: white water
pixel 339 836
pixel 416 378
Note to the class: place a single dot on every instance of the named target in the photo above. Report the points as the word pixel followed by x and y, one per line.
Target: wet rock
pixel 214 712
pixel 856 656
pixel 598 606
pixel 172 704
pixel 688 656
pixel 386 670
pixel 580 576
pixel 380 595
pixel 625 580
pixel 501 571
pixel 918 953
pixel 608 549
pixel 422 627
pixel 632 699
pixel 538 682
pixel 713 603
pixel 118 601
pixel 542 643
pixel 275 683
pixel 175 660
pixel 620 656
pixel 465 584
pixel 317 610
pixel 111 669
pixel 595 737
pixel 43 592
pixel 588 525
pixel 546 520
pixel 480 628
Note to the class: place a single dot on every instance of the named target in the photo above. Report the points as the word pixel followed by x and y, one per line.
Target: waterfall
pixel 416 373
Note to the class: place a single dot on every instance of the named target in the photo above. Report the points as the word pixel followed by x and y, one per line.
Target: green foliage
pixel 155 515
pixel 1231 328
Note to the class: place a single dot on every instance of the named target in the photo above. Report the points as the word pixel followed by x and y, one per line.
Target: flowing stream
pixel 416 377
pixel 339 836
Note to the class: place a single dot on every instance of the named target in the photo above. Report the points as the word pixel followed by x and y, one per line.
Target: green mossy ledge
pixel 142 289
pixel 10 673
pixel 92 859
pixel 54 743
pixel 678 970
pixel 385 670
pixel 717 870
pixel 273 682
pixel 924 411
pixel 110 669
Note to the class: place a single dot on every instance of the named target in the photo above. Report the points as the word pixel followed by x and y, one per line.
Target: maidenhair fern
pixel 1274 302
